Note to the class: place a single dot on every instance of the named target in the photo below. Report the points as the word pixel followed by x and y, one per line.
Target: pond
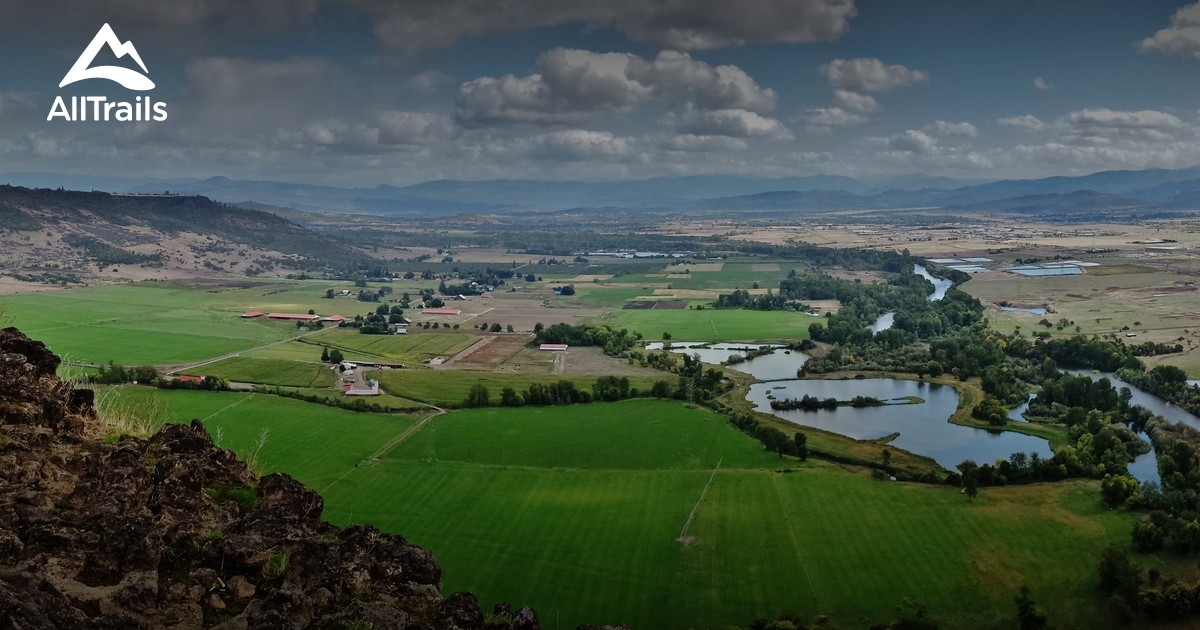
pixel 782 364
pixel 1021 309
pixel 923 428
pixel 884 322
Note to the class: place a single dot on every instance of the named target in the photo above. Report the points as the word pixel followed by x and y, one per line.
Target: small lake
pixel 780 365
pixel 1019 309
pixel 924 428
pixel 885 321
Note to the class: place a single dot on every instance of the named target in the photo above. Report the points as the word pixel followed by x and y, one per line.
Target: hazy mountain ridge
pixel 1151 189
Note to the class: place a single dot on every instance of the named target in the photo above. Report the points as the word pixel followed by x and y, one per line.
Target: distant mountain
pixel 1147 189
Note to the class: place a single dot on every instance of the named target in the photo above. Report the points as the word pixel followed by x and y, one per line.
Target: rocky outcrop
pixel 173 532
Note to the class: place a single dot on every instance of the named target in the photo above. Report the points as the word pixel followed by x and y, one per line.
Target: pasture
pixel 314 443
pixel 155 323
pixel 271 372
pixel 415 347
pixel 450 387
pixel 577 511
pixel 712 324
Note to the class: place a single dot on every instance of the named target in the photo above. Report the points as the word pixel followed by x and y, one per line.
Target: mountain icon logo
pixel 130 79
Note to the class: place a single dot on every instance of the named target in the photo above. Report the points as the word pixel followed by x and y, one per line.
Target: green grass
pixel 415 347
pixel 314 443
pixel 271 372
pixel 576 511
pixel 712 324
pixel 450 387
pixel 161 323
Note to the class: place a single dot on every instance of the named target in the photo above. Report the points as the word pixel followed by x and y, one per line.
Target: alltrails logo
pixel 142 109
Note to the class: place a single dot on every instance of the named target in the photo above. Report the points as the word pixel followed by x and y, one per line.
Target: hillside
pixel 79 233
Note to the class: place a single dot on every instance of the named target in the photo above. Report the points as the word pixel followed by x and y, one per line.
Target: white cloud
pixel 1027 122
pixel 735 123
pixel 1181 38
pixel 954 130
pixel 1042 84
pixel 571 84
pixel 869 75
pixel 1110 118
pixel 853 101
pixel 578 144
pixel 912 141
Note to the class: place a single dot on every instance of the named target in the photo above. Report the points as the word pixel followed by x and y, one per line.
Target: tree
pixel 971 485
pixel 773 439
pixel 1116 489
pixel 530 278
pixel 800 442
pixel 325 355
pixel 510 328
pixel 1029 614
pixel 510 398
pixel 538 327
pixel 335 356
pixel 329 294
pixel 495 328
pixel 666 336
pixel 311 312
pixel 477 397
pixel 1119 576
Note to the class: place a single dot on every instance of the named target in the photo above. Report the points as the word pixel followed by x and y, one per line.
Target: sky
pixel 369 92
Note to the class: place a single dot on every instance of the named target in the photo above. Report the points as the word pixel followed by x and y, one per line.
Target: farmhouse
pixel 293 317
pixel 185 378
pixel 553 347
pixel 441 311
pixel 251 315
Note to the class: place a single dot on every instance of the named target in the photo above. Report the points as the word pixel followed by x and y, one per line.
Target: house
pixel 460 297
pixel 293 317
pixel 441 311
pixel 336 319
pixel 401 330
pixel 186 378
pixel 251 315
pixel 553 347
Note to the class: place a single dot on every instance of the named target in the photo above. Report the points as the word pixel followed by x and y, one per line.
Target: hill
pixel 81 232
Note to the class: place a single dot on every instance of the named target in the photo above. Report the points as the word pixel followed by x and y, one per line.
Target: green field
pixel 314 443
pixel 450 387
pixel 712 324
pixel 160 323
pixel 576 511
pixel 271 372
pixel 415 347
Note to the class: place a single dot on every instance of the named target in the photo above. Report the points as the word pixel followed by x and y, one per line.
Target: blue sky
pixel 364 92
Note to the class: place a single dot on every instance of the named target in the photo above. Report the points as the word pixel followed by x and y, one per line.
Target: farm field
pixel 450 387
pixel 712 324
pixel 415 347
pixel 271 372
pixel 153 323
pixel 595 499
pixel 314 443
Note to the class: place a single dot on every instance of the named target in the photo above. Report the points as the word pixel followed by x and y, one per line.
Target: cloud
pixel 1181 38
pixel 824 118
pixel 694 143
pixel 869 75
pixel 571 84
pixel 854 83
pixel 1110 118
pixel 1027 122
pixel 412 25
pixel 1042 84
pixel 954 130
pixel 735 123
pixel 912 141
pixel 250 95
pixel 578 144
pixel 429 81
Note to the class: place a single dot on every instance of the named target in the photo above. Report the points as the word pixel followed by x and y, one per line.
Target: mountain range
pixel 1135 193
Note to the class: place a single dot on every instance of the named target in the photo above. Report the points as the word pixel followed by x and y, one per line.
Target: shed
pixel 553 347
pixel 251 315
